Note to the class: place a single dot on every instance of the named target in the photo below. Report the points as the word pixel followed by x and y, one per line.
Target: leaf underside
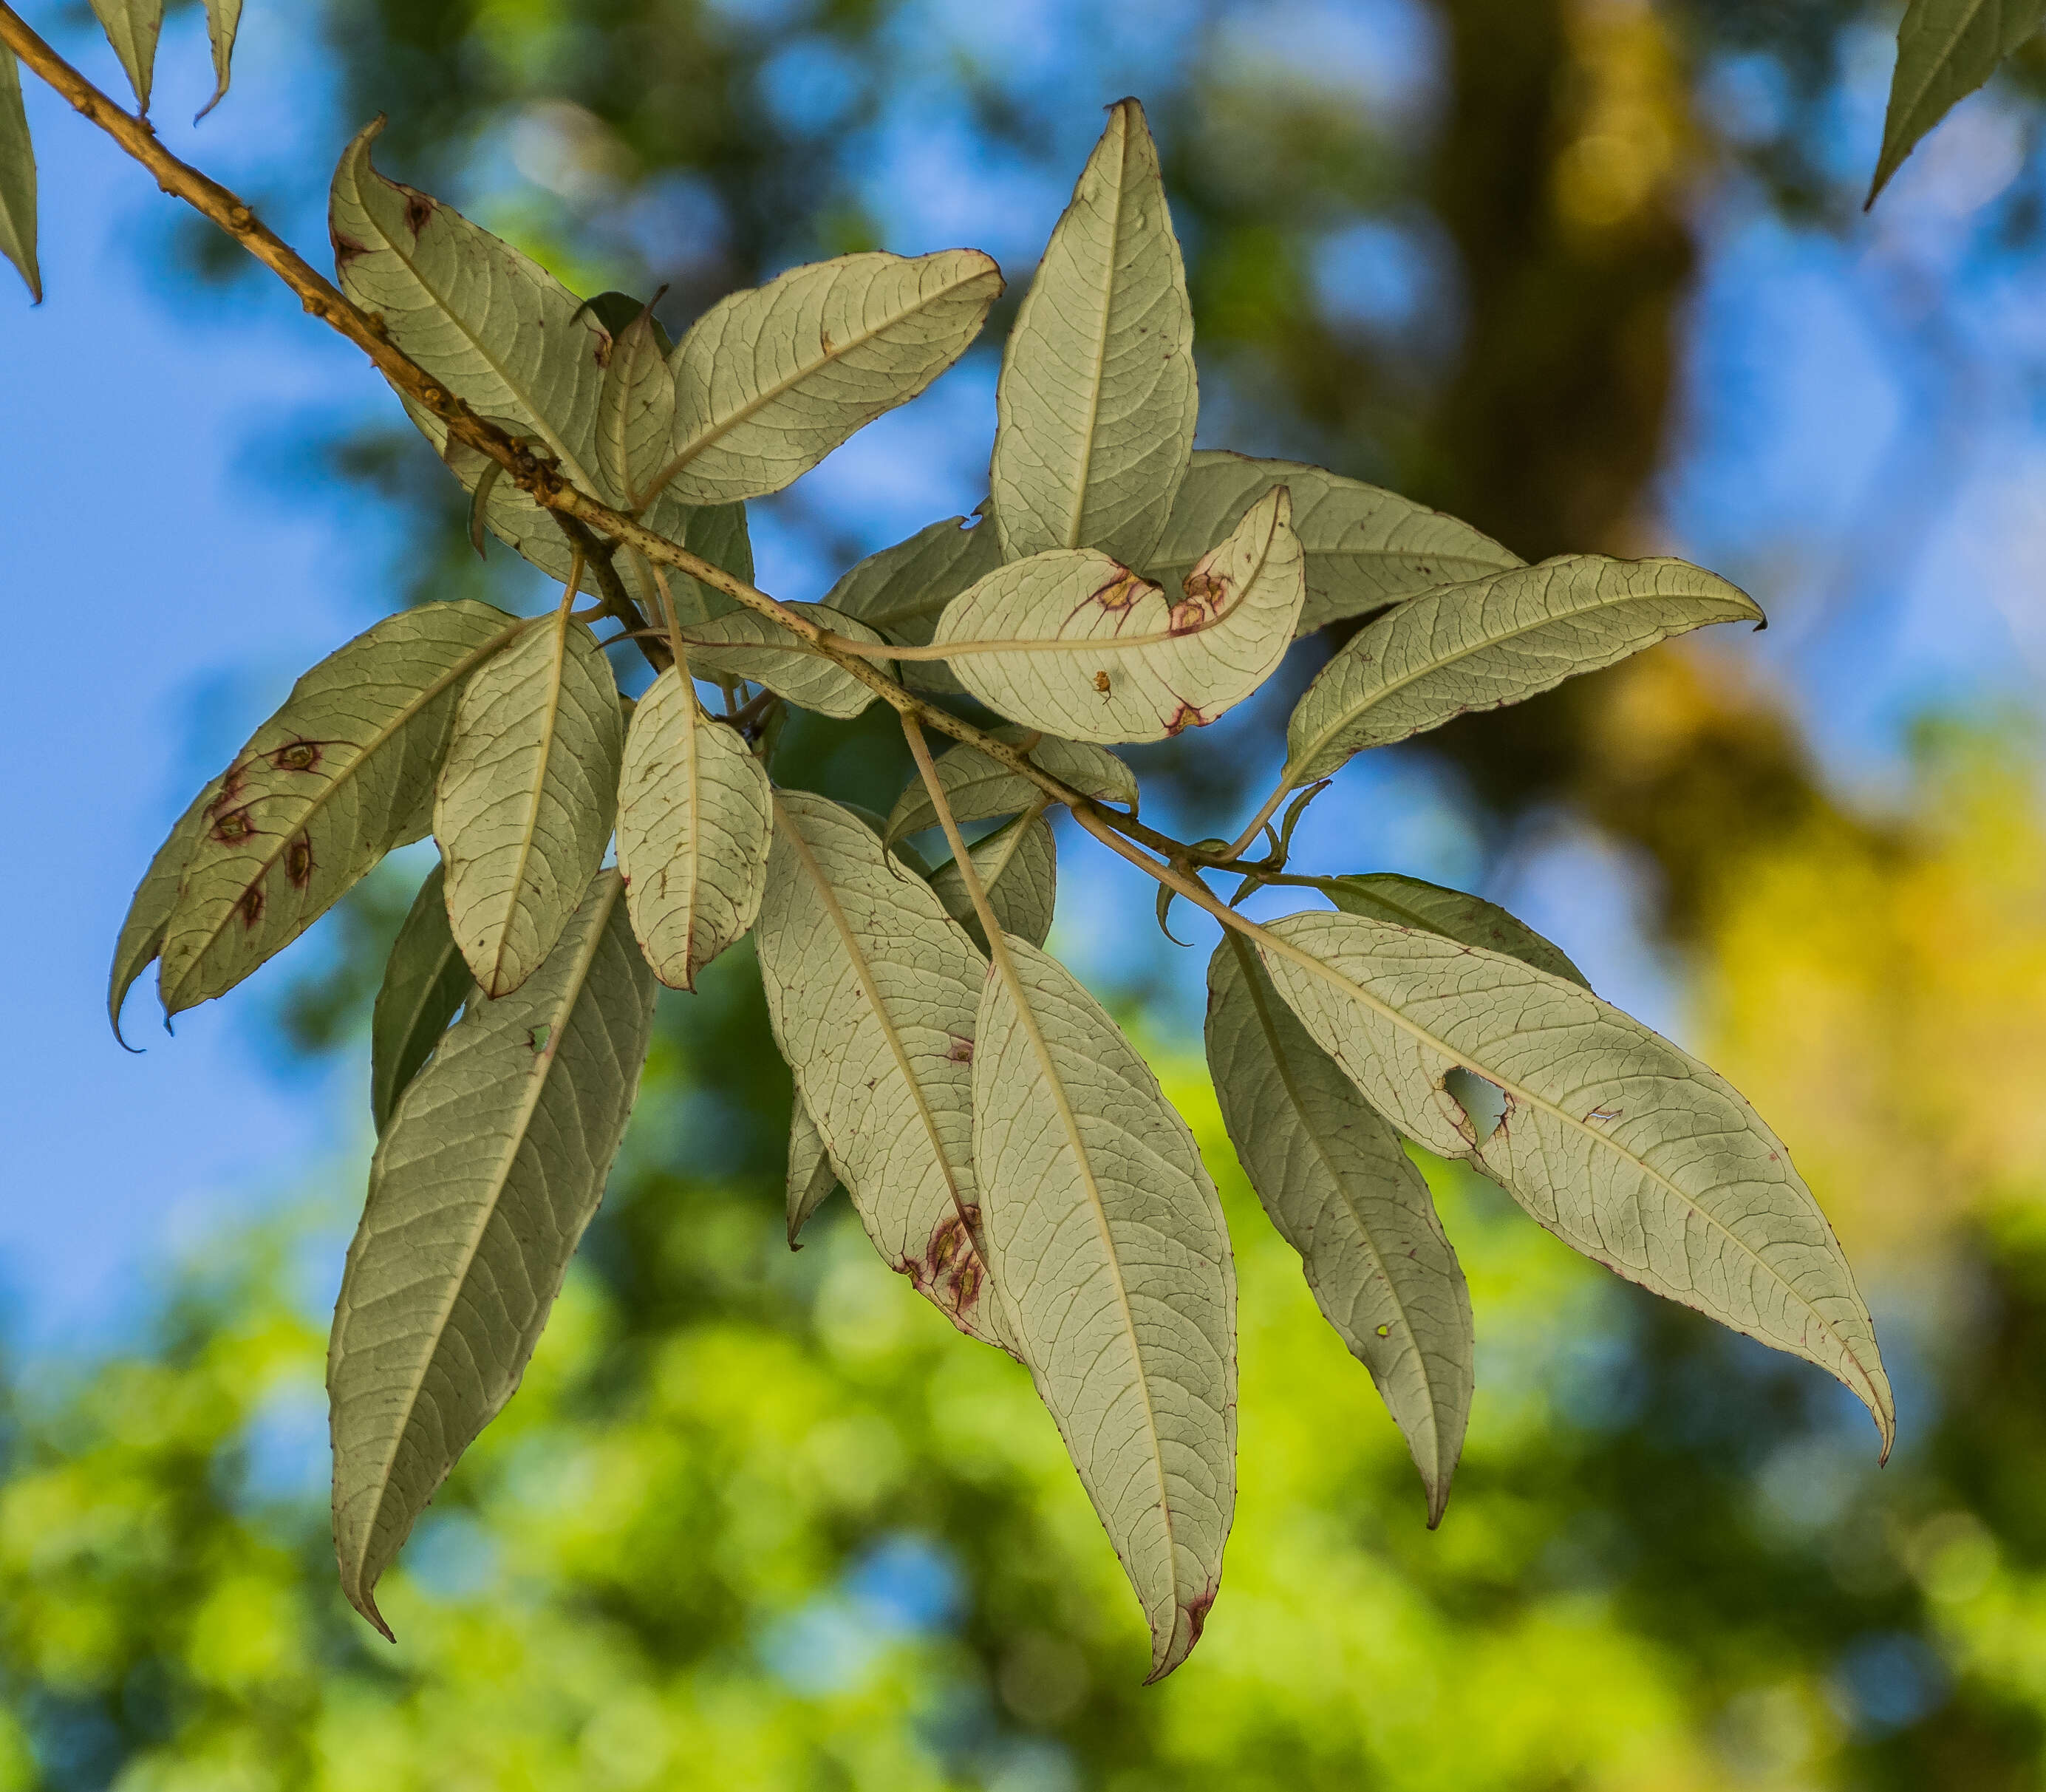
pixel 425 982
pixel 17 178
pixel 980 789
pixel 133 27
pixel 150 909
pixel 745 644
pixel 1017 866
pixel 1945 50
pixel 811 1176
pixel 223 20
pixel 901 590
pixel 1407 901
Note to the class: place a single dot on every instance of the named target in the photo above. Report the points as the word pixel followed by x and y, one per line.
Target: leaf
pixel 1495 641
pixel 132 27
pixel 768 382
pixel 1627 1149
pixel 1406 902
pixel 979 789
pixel 223 20
pixel 1945 50
pixel 1366 547
pixel 1342 1191
pixel 693 814
pixel 635 413
pixel 1106 1239
pixel 526 800
pixel 155 900
pixel 489 1169
pixel 1098 395
pixel 425 982
pixel 17 177
pixel 901 590
pixel 1092 652
pixel 871 990
pixel 335 779
pixel 811 1176
pixel 1017 866
pixel 745 644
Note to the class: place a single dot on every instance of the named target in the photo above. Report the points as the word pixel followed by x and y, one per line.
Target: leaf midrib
pixel 1097 374
pixel 549 729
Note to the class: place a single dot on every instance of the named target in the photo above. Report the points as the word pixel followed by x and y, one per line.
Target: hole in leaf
pixel 1484 1103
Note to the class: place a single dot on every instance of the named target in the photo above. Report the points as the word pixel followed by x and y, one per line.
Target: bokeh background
pixel 1591 273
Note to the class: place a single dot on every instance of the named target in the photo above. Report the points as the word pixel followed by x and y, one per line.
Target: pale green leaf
pixel 871 990
pixel 17 178
pixel 491 1166
pixel 1340 1187
pixel 1945 50
pixel 811 1176
pixel 526 800
pixel 901 590
pixel 1625 1148
pixel 1106 1241
pixel 133 27
pixel 693 815
pixel 1406 902
pixel 1070 642
pixel 1097 400
pixel 155 898
pixel 1487 644
pixel 1366 547
pixel 635 413
pixel 745 644
pixel 979 789
pixel 768 382
pixel 426 981
pixel 340 775
pixel 1017 866
pixel 223 20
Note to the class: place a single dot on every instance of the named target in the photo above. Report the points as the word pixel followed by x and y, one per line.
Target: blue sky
pixel 1863 445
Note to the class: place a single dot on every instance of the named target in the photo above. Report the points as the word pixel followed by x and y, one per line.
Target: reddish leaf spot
pixel 299 755
pixel 233 827
pixel 960 1051
pixel 1187 716
pixel 251 906
pixel 346 249
pixel 298 862
pixel 419 209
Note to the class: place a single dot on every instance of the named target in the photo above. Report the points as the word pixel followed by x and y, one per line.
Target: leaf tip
pixel 1171 1646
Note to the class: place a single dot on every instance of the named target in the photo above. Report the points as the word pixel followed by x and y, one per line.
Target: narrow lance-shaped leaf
pixel 1339 1186
pixel 901 590
pixel 340 775
pixel 1106 1240
pixel 745 644
pixel 150 909
pixel 693 816
pixel 768 382
pixel 1365 547
pixel 17 178
pixel 871 990
pixel 1098 397
pixel 635 413
pixel 490 1168
pixel 979 789
pixel 1627 1149
pixel 133 27
pixel 1071 643
pixel 223 20
pixel 811 1176
pixel 426 981
pixel 526 800
pixel 1484 645
pixel 1017 866
pixel 1945 50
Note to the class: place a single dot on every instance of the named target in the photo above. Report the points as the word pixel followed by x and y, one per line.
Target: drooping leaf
pixel 133 27
pixel 340 775
pixel 1106 1240
pixel 155 898
pixel 17 178
pixel 745 644
pixel 768 382
pixel 1340 1187
pixel 526 800
pixel 1097 400
pixel 1406 902
pixel 1945 50
pixel 426 981
pixel 1017 866
pixel 1094 653
pixel 693 814
pixel 635 413
pixel 901 590
pixel 979 789
pixel 223 20
pixel 1627 1149
pixel 811 1176
pixel 872 990
pixel 1365 547
pixel 1486 644
pixel 490 1168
